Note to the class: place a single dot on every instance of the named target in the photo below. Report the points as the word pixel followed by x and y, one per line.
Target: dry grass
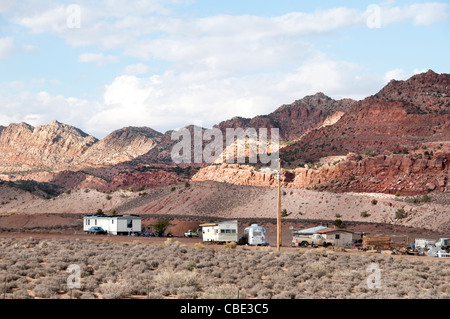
pixel 33 268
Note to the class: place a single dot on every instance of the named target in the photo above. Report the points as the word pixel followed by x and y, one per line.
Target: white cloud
pixel 135 69
pixel 9 48
pixel 420 14
pixel 220 66
pixel 98 58
pixel 176 98
pixel 396 74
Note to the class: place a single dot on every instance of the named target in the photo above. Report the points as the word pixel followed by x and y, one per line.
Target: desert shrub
pixel 114 290
pixel 190 265
pixel 199 246
pixel 223 292
pixel 400 213
pixel 187 293
pixel 364 214
pixel 230 245
pixel 47 289
pixel 170 242
pixel 374 201
pixel 172 279
pixel 20 294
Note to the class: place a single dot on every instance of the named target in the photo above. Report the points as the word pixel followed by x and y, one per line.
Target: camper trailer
pixel 254 235
pixel 226 231
pixel 114 224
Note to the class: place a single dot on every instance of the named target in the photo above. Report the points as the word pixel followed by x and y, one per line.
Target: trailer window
pixel 129 223
pixel 337 236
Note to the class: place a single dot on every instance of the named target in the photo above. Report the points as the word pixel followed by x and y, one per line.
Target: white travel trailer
pixel 114 224
pixel 255 235
pixel 226 231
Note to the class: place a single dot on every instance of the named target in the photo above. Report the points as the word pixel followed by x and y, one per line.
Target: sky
pixel 165 64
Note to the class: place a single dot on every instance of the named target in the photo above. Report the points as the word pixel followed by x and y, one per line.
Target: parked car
pixel 191 233
pixel 311 240
pixel 97 230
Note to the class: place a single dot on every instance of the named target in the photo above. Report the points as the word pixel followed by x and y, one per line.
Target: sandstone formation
pixel 394 173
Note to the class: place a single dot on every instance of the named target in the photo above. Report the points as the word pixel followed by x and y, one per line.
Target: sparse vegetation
pixel 400 213
pixel 364 214
pixel 36 268
pixel 374 202
pixel 230 245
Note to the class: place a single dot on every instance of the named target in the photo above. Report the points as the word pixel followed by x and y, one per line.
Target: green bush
pixel 374 201
pixel 231 245
pixel 400 213
pixel 364 214
pixel 338 223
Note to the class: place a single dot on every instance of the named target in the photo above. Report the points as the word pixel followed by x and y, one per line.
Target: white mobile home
pixel 226 231
pixel 114 224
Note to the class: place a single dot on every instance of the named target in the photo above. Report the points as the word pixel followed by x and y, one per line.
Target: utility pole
pixel 279 206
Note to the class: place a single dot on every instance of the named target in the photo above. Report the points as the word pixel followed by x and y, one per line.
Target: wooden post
pixel 279 206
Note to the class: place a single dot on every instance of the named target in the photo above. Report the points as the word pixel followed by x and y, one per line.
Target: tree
pixel 338 223
pixel 161 225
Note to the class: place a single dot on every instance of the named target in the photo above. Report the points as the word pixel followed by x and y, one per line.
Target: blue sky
pixel 164 64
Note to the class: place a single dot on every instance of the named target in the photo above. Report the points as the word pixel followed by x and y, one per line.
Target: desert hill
pixel 397 140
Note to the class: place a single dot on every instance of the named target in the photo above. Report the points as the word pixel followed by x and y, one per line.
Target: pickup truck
pixel 313 240
pixel 190 233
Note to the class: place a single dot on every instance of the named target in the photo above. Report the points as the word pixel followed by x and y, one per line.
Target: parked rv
pixel 220 232
pixel 254 235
